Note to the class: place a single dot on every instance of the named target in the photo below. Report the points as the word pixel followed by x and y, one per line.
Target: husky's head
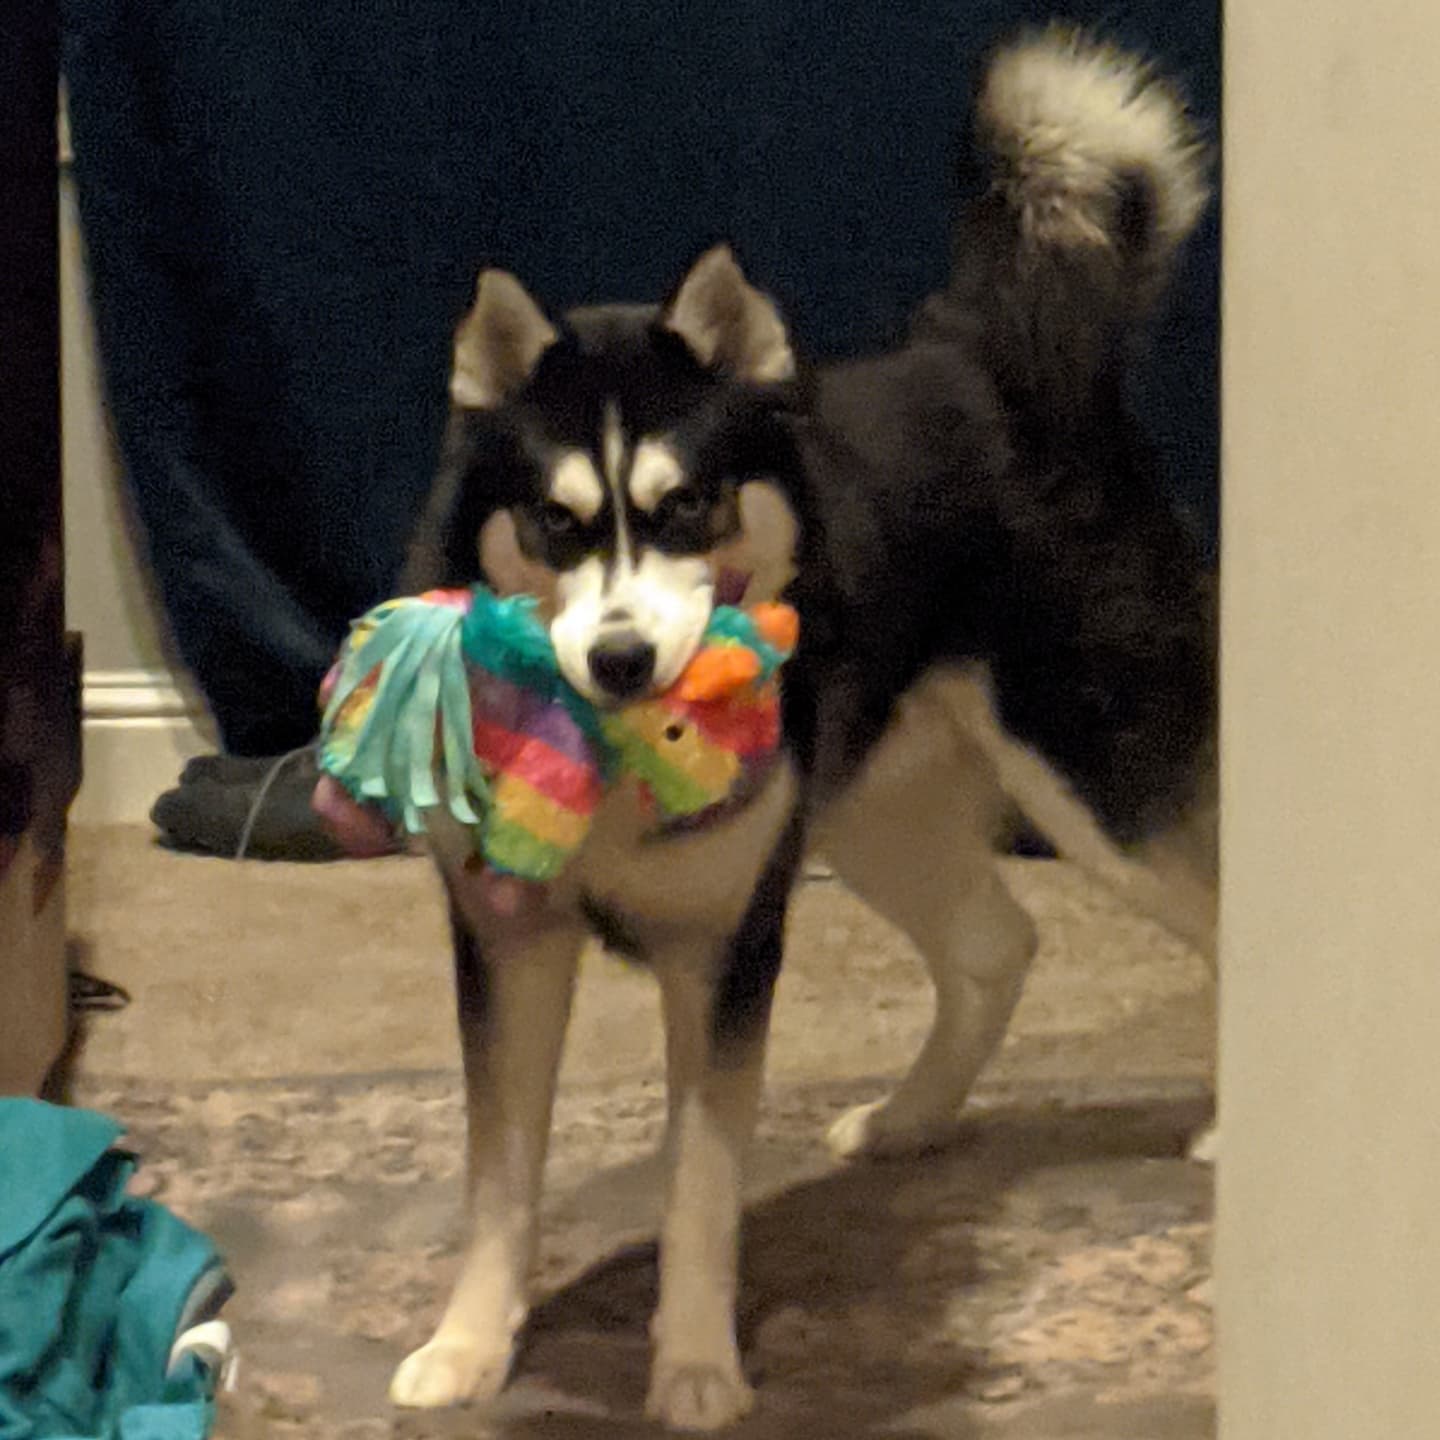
pixel 625 463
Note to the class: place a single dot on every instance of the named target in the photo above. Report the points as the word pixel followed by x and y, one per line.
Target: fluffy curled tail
pixel 1094 175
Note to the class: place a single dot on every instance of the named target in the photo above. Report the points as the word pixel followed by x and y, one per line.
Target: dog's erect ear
pixel 499 343
pixel 728 324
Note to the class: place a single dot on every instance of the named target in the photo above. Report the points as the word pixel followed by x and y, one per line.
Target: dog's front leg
pixel 514 999
pixel 717 1014
pixel 696 1380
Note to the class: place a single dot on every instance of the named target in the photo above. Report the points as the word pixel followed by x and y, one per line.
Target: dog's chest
pixel 698 878
pixel 661 882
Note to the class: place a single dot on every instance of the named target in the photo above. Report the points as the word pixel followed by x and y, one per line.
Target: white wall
pixel 1329 1185
pixel 141 721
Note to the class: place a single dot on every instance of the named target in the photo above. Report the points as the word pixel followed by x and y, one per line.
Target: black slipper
pixel 227 769
pixel 249 819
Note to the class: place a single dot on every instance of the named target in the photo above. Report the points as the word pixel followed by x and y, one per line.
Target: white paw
pixel 449 1372
pixel 697 1395
pixel 874 1132
pixel 1205 1145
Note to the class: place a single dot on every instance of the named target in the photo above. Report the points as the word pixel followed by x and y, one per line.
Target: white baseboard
pixel 139 728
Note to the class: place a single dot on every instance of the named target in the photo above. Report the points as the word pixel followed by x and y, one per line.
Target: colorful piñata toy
pixel 454 699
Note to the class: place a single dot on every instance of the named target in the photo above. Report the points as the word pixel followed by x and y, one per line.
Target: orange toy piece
pixel 717 671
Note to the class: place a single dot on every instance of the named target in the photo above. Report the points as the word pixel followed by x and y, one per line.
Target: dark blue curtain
pixel 286 205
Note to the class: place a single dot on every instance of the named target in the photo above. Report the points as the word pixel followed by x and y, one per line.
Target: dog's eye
pixel 557 520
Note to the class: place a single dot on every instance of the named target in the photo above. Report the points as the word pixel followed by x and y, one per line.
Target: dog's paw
pixel 1204 1146
pixel 875 1132
pixel 449 1372
pixel 698 1396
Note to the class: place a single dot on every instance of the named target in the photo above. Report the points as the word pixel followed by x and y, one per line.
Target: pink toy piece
pixel 362 831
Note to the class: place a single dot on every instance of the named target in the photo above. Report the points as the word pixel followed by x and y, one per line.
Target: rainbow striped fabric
pixel 454 699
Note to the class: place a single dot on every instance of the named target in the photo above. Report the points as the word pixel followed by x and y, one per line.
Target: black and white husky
pixel 999 616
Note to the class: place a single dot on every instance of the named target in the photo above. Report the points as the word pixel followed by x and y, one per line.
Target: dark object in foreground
pixel 246 809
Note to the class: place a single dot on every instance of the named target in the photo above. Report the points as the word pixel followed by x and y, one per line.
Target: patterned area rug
pixel 1048 1276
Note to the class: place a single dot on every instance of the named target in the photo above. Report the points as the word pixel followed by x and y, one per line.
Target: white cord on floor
pixel 271 775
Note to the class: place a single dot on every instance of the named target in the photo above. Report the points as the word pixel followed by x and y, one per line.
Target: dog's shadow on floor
pixel 865 1293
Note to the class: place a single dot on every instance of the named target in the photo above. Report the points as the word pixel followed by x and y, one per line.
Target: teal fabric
pixel 95 1285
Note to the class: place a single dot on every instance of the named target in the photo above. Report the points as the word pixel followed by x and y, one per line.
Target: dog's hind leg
pixel 514 1002
pixel 914 839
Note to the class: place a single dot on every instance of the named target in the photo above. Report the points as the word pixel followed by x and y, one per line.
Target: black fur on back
pixel 983 494
pixel 949 527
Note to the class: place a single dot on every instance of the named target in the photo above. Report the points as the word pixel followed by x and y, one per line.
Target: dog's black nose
pixel 623 665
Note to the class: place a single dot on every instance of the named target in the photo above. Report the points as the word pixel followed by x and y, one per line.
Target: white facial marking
pixel 612 446
pixel 575 484
pixel 664 599
pixel 612 457
pixel 654 473
pixel 578 619
pixel 670 598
